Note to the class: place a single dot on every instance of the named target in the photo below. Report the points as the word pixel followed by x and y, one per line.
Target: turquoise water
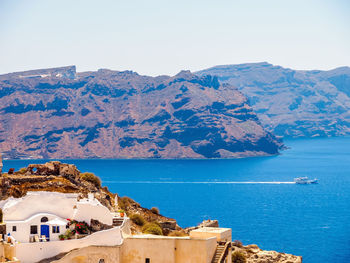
pixel 308 220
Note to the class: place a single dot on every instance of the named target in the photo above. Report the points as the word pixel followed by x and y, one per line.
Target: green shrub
pixel 125 202
pixel 156 223
pixel 90 177
pixel 22 170
pixel 155 210
pixel 152 228
pixel 137 219
pixel 238 257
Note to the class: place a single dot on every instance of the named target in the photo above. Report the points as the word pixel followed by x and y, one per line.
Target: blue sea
pixel 308 220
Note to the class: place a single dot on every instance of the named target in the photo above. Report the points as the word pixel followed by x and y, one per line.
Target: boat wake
pixel 169 182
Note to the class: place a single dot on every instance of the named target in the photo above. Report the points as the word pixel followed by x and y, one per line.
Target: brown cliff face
pixel 293 103
pixel 56 113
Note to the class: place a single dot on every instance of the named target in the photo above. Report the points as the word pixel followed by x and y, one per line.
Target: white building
pixel 45 214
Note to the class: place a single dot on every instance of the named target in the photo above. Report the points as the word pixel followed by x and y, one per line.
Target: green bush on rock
pixel 90 177
pixel 155 210
pixel 152 228
pixel 125 202
pixel 137 219
pixel 22 170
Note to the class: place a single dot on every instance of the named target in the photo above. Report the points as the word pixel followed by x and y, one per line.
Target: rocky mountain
pixel 293 103
pixel 58 113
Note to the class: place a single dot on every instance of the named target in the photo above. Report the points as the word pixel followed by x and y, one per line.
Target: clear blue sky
pixel 157 37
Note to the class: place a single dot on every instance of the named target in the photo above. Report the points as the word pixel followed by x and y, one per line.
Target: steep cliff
pixel 58 113
pixel 293 103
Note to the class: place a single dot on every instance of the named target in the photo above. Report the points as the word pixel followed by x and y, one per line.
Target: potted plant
pixel 68 234
pixel 61 237
pixel 121 213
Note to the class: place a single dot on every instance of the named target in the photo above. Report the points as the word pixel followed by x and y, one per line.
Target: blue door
pixel 45 231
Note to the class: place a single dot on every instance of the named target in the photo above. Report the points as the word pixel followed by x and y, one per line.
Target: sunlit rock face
pixel 55 113
pixel 293 103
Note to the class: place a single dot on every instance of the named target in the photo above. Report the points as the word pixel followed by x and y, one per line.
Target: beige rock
pixel 256 255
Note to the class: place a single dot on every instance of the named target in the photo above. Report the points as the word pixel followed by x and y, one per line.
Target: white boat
pixel 305 180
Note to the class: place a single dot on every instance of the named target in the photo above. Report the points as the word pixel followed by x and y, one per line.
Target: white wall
pixel 87 211
pixel 34 252
pixel 39 202
pixel 22 233
pixel 28 210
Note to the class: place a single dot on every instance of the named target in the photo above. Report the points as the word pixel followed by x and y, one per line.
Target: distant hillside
pixel 293 103
pixel 58 113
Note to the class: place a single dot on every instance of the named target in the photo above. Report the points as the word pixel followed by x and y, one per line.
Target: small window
pixel 101 260
pixel 55 229
pixel 44 219
pixel 14 228
pixel 33 230
pixel 147 260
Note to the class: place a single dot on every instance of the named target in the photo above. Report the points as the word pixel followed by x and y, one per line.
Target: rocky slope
pixel 56 177
pixel 58 113
pixel 293 103
pixel 60 177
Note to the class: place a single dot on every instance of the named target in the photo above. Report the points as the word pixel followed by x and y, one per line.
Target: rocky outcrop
pixel 60 177
pixel 53 176
pixel 253 254
pixel 96 226
pixel 57 113
pixel 293 103
pixel 131 207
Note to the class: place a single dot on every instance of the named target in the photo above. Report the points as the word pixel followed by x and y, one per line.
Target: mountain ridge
pixel 293 103
pixel 121 114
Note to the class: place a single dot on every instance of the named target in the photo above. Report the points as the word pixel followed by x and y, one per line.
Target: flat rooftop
pixel 217 230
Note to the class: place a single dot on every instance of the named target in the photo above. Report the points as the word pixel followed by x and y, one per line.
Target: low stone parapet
pixel 34 252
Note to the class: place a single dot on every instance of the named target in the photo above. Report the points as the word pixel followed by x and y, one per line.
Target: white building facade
pixel 44 214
